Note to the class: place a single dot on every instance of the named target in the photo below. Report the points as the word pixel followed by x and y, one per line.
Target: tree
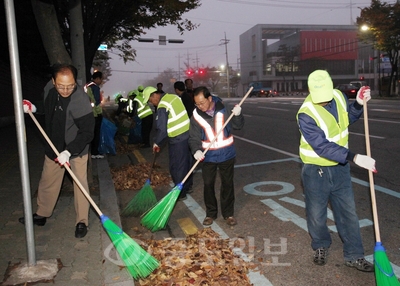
pixel 383 21
pixel 287 62
pixel 112 22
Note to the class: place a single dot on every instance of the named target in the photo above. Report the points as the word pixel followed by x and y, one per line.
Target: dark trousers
pixel 227 192
pixel 179 164
pixel 96 139
pixel 147 125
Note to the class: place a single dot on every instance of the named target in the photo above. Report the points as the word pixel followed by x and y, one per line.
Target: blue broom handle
pixel 66 166
pixel 215 137
pixel 370 175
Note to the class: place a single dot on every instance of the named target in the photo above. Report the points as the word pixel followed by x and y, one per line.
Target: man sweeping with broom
pixel 172 125
pixel 323 120
pixel 208 118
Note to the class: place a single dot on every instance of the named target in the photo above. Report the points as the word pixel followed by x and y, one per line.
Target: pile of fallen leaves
pixel 133 177
pixel 201 259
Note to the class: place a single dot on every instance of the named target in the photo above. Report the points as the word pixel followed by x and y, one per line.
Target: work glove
pixel 63 158
pixel 236 110
pixel 365 162
pixel 156 148
pixel 364 91
pixel 198 155
pixel 28 106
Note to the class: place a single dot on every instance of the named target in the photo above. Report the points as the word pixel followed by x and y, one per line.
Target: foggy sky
pixel 204 46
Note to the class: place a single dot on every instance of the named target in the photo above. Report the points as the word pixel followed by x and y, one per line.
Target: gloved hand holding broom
pixel 28 106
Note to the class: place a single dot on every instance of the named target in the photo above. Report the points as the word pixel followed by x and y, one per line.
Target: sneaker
pixel 361 264
pixel 100 156
pixel 320 256
pixel 94 156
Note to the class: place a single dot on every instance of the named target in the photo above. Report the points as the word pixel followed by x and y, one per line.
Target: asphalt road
pixel 271 230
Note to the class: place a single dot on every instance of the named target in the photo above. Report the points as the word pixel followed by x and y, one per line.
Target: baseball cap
pixel 147 92
pixel 320 86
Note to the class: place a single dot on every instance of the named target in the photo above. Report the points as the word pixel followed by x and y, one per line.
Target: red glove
pixel 363 92
pixel 156 148
pixel 28 106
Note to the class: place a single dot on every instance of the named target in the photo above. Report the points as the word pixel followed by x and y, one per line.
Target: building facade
pixel 282 56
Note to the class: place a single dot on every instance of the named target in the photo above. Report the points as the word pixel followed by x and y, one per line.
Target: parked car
pixel 348 89
pixel 359 83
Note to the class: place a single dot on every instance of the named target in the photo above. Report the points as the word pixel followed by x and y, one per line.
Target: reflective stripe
pixel 219 122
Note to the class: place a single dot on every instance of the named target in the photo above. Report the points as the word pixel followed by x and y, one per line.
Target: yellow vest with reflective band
pixel 143 109
pixel 178 120
pixel 336 132
pixel 221 140
pixel 96 108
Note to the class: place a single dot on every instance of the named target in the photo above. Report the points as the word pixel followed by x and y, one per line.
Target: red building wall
pixel 329 45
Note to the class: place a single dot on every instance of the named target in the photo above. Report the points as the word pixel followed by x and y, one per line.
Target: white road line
pixel 267 147
pixel 372 136
pixel 280 109
pixel 386 121
pixel 255 277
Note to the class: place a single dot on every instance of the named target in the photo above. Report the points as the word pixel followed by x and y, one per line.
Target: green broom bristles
pixel 138 261
pixel 384 274
pixel 157 217
pixel 141 202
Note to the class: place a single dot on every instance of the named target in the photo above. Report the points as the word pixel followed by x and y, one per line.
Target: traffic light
pixel 202 72
pixel 189 72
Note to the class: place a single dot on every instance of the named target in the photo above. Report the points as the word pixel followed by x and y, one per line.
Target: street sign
pixel 102 47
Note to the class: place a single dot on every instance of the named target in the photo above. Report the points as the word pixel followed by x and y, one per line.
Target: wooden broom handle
pixel 66 166
pixel 215 137
pixel 370 175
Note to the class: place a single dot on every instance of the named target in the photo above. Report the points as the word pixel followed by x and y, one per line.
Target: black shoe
pixel 145 146
pixel 182 198
pixel 37 219
pixel 361 264
pixel 80 230
pixel 320 256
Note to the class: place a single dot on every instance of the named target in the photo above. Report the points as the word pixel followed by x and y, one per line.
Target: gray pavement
pixel 87 261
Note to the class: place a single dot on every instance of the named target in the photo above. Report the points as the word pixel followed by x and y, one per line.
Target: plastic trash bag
pixel 135 133
pixel 107 134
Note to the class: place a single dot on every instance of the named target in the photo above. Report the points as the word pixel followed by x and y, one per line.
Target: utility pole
pixel 225 42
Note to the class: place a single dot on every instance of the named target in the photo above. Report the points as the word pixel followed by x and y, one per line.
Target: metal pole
pixel 227 67
pixel 20 127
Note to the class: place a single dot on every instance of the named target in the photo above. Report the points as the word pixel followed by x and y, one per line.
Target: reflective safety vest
pixel 178 121
pixel 143 109
pixel 96 108
pixel 221 141
pixel 336 132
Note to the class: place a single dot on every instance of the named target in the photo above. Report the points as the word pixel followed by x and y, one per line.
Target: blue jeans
pixel 332 185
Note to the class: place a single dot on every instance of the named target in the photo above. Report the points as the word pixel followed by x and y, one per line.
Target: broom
pixel 384 274
pixel 138 262
pixel 157 217
pixel 144 199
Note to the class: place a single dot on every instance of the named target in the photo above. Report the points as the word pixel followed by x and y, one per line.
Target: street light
pixel 365 29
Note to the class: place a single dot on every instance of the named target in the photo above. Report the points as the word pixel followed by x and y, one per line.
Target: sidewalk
pixel 86 261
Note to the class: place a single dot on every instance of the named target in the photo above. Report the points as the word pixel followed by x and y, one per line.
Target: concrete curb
pixel 113 275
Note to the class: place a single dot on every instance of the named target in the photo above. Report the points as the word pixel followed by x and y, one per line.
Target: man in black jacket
pixel 69 123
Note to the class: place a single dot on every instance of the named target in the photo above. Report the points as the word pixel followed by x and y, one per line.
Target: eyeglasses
pixel 67 88
pixel 201 103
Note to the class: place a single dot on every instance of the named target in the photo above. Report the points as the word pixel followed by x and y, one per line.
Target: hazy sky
pixel 203 46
